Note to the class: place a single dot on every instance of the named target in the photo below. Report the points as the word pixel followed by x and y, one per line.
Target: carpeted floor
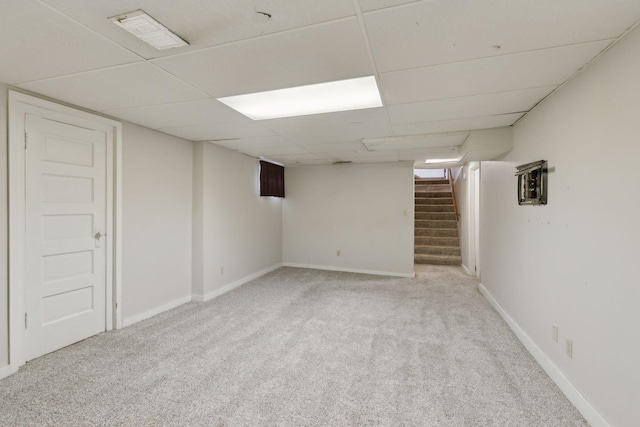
pixel 301 348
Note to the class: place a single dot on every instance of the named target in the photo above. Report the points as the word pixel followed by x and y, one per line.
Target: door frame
pixel 21 104
pixel 474 219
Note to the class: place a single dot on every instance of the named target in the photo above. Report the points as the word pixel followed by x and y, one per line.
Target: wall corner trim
pixel 157 310
pixel 5 371
pixel 351 270
pixel 231 286
pixel 466 270
pixel 585 407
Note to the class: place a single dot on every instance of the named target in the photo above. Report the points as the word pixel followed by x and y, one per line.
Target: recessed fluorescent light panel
pixel 343 95
pixel 430 161
pixel 148 30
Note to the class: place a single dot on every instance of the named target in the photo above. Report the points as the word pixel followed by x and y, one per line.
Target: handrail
pixel 453 194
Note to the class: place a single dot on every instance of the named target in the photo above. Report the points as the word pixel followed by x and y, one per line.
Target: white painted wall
pixel 570 263
pixel 241 232
pixel 197 238
pixel 157 193
pixel 363 210
pixel 461 183
pixel 4 208
pixel 465 196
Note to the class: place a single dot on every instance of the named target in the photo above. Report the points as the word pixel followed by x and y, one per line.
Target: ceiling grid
pixel 440 66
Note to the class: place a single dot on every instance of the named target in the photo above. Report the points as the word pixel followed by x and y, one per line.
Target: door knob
pixel 99 235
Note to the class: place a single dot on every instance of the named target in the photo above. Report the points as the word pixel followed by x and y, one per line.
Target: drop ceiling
pixel 442 66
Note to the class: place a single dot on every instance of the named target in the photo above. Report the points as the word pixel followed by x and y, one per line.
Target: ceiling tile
pixel 204 23
pixel 438 32
pixel 385 159
pixel 299 159
pixel 361 155
pixel 216 131
pixel 457 125
pixel 274 151
pixel 332 127
pixel 316 54
pixel 335 148
pixel 119 87
pixel 539 68
pixel 421 154
pixel 450 139
pixel 468 106
pixel 248 143
pixel 369 5
pixel 189 113
pixel 40 43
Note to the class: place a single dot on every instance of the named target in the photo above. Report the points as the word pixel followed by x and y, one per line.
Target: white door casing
pixel 65 234
pixel 476 219
pixel 61 225
pixel 473 223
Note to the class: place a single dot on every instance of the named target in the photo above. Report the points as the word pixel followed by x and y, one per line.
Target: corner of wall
pixel 197 244
pixel 4 241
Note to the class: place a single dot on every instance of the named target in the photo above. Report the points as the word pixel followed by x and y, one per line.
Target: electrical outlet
pixel 569 348
pixel 554 333
pixel 221 270
pixel 338 252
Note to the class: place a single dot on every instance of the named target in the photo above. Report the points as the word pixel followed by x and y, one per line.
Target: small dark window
pixel 271 179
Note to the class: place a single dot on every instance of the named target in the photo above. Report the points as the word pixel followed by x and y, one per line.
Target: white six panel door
pixel 65 243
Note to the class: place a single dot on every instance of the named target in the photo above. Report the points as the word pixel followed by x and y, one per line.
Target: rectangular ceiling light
pixel 431 161
pixel 148 30
pixel 343 95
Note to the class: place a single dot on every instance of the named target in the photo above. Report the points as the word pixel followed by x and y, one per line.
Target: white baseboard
pixel 150 313
pixel 5 371
pixel 573 394
pixel 350 270
pixel 233 285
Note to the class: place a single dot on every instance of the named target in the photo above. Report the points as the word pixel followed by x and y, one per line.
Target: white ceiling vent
pixel 148 30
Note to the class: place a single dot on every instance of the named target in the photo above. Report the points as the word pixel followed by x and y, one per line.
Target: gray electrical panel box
pixel 532 183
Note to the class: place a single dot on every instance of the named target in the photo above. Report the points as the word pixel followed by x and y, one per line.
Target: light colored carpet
pixel 301 348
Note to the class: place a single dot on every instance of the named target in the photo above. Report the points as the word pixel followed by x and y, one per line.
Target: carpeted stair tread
pixel 437 250
pixel 437 259
pixel 436 232
pixel 431 181
pixel 436 223
pixel 434 201
pixel 432 188
pixel 436 241
pixel 433 194
pixel 434 208
pixel 445 216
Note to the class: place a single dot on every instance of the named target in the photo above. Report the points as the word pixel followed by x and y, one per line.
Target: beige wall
pixel 240 233
pixel 569 263
pixel 157 192
pixel 363 210
pixel 4 209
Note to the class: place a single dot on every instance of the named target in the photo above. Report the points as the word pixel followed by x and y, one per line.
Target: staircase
pixel 436 227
